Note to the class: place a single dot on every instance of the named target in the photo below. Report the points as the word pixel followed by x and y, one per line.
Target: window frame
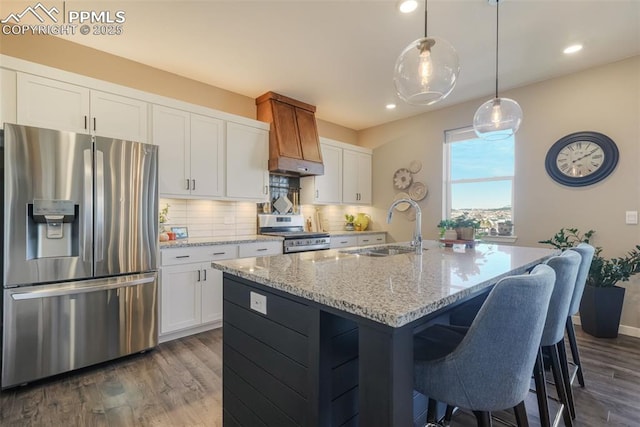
pixel 466 133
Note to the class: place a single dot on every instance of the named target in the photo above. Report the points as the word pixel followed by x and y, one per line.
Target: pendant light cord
pixel 497 32
pixel 425 18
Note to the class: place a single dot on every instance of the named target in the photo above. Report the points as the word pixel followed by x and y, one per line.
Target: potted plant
pixel 466 227
pixel 447 225
pixel 601 305
pixel 349 225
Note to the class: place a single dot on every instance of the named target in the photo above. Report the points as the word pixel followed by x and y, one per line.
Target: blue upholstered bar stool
pixel 566 268
pixel 586 251
pixel 489 367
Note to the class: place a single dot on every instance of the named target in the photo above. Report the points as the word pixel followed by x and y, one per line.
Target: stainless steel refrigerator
pixel 79 251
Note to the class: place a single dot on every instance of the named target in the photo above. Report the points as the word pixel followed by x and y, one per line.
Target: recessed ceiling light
pixel 407 6
pixel 573 48
pixel 390 106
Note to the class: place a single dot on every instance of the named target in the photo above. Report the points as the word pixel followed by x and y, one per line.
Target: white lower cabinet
pixel 358 240
pixel 372 239
pixel 191 291
pixel 343 241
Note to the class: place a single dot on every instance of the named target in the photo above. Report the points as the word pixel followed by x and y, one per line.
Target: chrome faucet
pixel 417 233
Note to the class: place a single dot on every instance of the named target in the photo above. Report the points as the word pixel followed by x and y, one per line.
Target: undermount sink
pixel 381 251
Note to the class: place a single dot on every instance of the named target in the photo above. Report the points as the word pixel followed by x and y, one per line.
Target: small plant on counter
pixel 444 225
pixel 163 214
pixel 349 225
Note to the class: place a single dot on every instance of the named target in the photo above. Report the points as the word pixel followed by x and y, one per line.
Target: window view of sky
pixel 479 159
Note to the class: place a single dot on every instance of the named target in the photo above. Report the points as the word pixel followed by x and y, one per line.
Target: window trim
pixel 464 134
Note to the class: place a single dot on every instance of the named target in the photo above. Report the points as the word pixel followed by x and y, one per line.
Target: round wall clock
pixel 581 158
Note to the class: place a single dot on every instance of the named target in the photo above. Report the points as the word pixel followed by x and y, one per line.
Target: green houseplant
pixel 601 305
pixel 464 225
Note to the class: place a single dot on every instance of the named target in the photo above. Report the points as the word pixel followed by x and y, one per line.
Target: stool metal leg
pixel 521 415
pixel 557 378
pixel 566 377
pixel 575 354
pixel 541 390
pixel 483 418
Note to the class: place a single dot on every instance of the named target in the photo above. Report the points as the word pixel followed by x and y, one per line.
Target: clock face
pixel 581 158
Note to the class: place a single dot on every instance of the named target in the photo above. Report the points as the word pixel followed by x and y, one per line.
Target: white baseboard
pixel 622 330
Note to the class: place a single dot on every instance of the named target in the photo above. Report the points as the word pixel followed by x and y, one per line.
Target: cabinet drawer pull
pixel 261 249
pixel 219 253
pixel 344 242
pixel 365 240
pixel 183 256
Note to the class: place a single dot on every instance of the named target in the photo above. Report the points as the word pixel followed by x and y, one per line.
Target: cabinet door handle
pixel 183 256
pixel 85 122
pixel 317 194
pixel 188 184
pixel 193 181
pixel 266 189
pixel 205 275
pixel 199 273
pixel 94 124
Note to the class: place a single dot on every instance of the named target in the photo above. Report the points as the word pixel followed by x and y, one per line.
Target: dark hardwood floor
pixel 179 384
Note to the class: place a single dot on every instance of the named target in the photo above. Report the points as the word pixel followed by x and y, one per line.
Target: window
pixel 478 180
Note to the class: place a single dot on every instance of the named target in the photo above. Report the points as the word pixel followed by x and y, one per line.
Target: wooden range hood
pixel 294 146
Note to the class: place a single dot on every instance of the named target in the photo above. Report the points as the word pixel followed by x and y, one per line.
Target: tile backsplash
pixel 211 218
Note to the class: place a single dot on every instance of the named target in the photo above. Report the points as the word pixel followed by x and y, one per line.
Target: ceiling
pixel 339 54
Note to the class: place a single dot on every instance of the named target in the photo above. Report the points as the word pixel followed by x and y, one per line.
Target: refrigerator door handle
pixel 78 288
pixel 99 236
pixel 87 207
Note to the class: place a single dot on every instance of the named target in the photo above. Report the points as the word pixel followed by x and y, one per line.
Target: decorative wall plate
pixel 417 191
pixel 415 166
pixel 402 179
pixel 402 206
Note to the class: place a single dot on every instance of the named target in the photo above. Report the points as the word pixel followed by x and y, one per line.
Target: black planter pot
pixel 600 310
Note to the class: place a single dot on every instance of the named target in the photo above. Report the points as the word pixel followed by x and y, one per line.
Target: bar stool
pixel 566 268
pixel 489 367
pixel 586 251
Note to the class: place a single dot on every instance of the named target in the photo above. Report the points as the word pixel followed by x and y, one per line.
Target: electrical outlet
pixel 631 217
pixel 258 302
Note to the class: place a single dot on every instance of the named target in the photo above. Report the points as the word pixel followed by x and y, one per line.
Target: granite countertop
pixel 210 241
pixel 392 290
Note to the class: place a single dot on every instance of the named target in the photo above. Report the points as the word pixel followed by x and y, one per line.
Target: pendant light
pixel 498 118
pixel 427 70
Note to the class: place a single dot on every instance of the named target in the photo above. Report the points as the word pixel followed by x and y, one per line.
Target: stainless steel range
pixel 291 227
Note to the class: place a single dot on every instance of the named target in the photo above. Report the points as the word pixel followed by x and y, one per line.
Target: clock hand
pixel 586 155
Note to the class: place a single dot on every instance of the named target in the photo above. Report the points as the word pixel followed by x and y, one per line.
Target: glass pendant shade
pixel 426 71
pixel 498 118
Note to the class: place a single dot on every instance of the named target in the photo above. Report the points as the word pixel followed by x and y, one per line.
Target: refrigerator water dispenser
pixel 52 229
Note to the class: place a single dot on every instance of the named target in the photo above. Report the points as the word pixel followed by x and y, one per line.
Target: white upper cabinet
pixel 116 116
pixel 58 105
pixel 247 155
pixel 327 188
pixel 191 152
pixel 356 178
pixel 207 156
pixel 52 104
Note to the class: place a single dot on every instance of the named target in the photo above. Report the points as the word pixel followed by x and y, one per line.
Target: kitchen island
pixel 326 338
